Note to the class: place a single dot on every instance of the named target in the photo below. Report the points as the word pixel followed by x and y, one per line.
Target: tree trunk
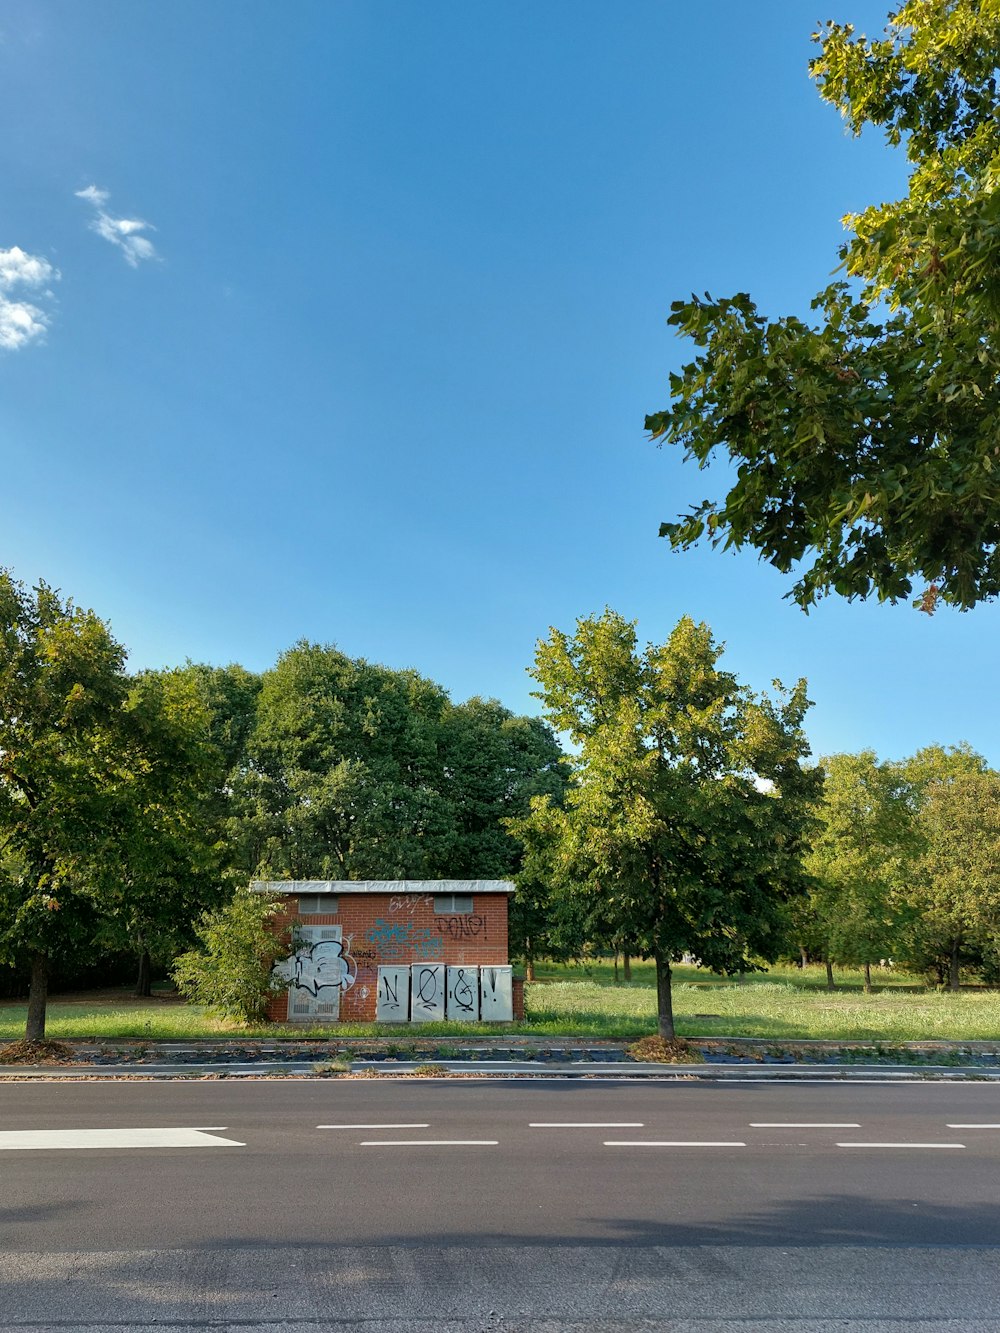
pixel 529 969
pixel 804 957
pixel 868 978
pixel 626 967
pixel 38 993
pixel 616 967
pixel 829 975
pixel 664 1000
pixel 954 981
pixel 144 981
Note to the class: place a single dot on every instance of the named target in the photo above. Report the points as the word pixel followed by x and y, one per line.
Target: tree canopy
pixel 65 755
pixel 354 771
pixel 860 861
pixel 682 830
pixel 865 441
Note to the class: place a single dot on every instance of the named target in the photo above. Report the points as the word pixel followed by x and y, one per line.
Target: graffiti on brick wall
pixel 364 957
pixel 462 927
pixel 408 903
pixel 394 939
pixel 325 965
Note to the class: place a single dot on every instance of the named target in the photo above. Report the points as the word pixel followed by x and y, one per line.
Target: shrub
pixel 233 971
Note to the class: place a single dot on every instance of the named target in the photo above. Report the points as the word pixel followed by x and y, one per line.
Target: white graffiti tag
pixel 324 964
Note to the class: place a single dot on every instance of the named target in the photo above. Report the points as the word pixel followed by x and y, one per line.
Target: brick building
pixel 396 951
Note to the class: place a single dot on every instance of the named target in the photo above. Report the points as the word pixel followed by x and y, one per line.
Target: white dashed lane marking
pixel 672 1143
pixel 586 1124
pixel 974 1126
pixel 804 1124
pixel 423 1125
pixel 429 1143
pixel 12 1139
pixel 900 1145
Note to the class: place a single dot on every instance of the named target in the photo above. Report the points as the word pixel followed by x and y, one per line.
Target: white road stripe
pixel 586 1124
pixel 900 1145
pixel 112 1138
pixel 422 1125
pixel 974 1126
pixel 429 1143
pixel 672 1143
pixel 805 1124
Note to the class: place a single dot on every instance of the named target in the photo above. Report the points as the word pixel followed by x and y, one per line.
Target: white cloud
pixel 97 197
pixel 126 233
pixel 22 322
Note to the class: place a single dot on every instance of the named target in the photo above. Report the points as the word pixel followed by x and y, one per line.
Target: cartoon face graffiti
pixel 324 964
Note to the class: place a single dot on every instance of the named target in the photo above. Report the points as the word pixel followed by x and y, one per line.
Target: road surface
pixel 377 1205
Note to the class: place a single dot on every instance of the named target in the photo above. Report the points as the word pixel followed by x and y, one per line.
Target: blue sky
pixel 344 319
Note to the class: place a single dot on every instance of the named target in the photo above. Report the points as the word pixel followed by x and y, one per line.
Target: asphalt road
pixel 542 1206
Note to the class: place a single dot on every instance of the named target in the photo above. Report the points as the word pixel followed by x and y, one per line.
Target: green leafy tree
pixel 167 833
pixel 864 441
pixel 356 771
pixel 343 775
pixel 233 969
pixel 547 918
pixel 64 754
pixel 955 886
pixel 683 828
pixel 494 763
pixel 861 861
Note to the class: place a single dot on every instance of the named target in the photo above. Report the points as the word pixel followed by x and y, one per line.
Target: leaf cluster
pixel 864 442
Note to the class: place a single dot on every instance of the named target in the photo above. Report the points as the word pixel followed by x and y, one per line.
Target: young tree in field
pixel 861 860
pixel 865 440
pixel 683 828
pixel 956 881
pixel 63 756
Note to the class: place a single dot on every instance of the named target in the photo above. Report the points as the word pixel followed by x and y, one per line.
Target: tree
pixel 343 775
pixel 546 918
pixel 865 443
pixel 64 754
pixel 955 888
pixel 356 771
pixel 494 763
pixel 233 969
pixel 167 832
pixel 861 860
pixel 683 827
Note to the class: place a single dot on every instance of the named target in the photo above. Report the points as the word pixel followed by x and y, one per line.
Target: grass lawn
pixel 584 1002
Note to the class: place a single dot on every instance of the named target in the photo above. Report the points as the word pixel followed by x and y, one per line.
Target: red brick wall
pixel 402 929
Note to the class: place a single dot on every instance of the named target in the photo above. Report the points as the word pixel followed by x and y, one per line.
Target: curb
pixel 577 1069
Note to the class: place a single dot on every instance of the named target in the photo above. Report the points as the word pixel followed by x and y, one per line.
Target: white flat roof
pixel 396 887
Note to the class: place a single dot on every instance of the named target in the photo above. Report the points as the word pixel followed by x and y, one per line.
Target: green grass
pixel 584 1002
pixel 768 1008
